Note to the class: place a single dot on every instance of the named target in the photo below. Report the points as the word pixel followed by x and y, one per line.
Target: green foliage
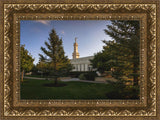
pixel 82 76
pixel 26 59
pixel 90 76
pixel 54 61
pixel 43 68
pixel 122 91
pixel 34 70
pixel 122 53
pixel 101 61
pixel 87 76
pixel 75 74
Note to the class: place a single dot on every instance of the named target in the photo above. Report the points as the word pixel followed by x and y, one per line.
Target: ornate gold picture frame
pixel 146 11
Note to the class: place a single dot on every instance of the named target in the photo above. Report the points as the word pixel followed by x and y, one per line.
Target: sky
pixel 89 33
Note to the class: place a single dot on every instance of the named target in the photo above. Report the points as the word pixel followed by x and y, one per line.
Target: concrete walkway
pixel 78 80
pixel 67 80
pixel 36 78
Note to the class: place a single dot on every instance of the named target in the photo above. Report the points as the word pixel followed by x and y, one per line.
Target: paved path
pixel 78 80
pixel 67 80
pixel 35 78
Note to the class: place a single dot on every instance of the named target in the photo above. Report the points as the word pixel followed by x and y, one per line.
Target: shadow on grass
pixel 25 81
pixel 54 85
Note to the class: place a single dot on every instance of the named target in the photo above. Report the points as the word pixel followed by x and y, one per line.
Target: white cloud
pixel 45 22
pixel 62 32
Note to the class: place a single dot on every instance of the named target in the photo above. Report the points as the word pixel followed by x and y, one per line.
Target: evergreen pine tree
pixel 58 64
pixel 126 35
pixel 121 54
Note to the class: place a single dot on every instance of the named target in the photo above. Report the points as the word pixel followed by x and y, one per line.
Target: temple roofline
pixel 82 57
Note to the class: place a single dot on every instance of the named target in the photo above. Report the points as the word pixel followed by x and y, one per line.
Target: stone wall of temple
pixel 82 64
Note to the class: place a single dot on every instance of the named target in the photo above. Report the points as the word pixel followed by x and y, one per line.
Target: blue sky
pixel 89 33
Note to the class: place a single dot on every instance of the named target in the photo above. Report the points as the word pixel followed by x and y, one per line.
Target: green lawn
pixel 35 89
pixel 38 76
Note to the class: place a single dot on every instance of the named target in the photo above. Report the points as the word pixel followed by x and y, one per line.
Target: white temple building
pixel 80 64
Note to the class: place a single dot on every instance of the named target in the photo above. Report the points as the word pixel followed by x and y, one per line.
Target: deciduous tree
pixel 26 61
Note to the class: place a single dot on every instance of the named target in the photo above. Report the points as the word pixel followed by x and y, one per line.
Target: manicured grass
pixel 35 89
pixel 38 76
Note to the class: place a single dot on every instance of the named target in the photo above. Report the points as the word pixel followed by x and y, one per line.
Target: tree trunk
pixel 55 79
pixel 22 74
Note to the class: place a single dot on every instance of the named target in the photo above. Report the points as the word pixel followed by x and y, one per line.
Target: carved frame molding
pixel 13 106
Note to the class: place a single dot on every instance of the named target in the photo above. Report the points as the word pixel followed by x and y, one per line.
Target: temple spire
pixel 75 53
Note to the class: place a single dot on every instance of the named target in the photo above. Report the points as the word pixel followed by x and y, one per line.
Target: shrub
pixel 77 73
pixel 82 77
pixel 90 76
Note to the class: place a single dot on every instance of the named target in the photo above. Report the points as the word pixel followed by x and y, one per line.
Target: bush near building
pixel 77 73
pixel 82 76
pixel 87 75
